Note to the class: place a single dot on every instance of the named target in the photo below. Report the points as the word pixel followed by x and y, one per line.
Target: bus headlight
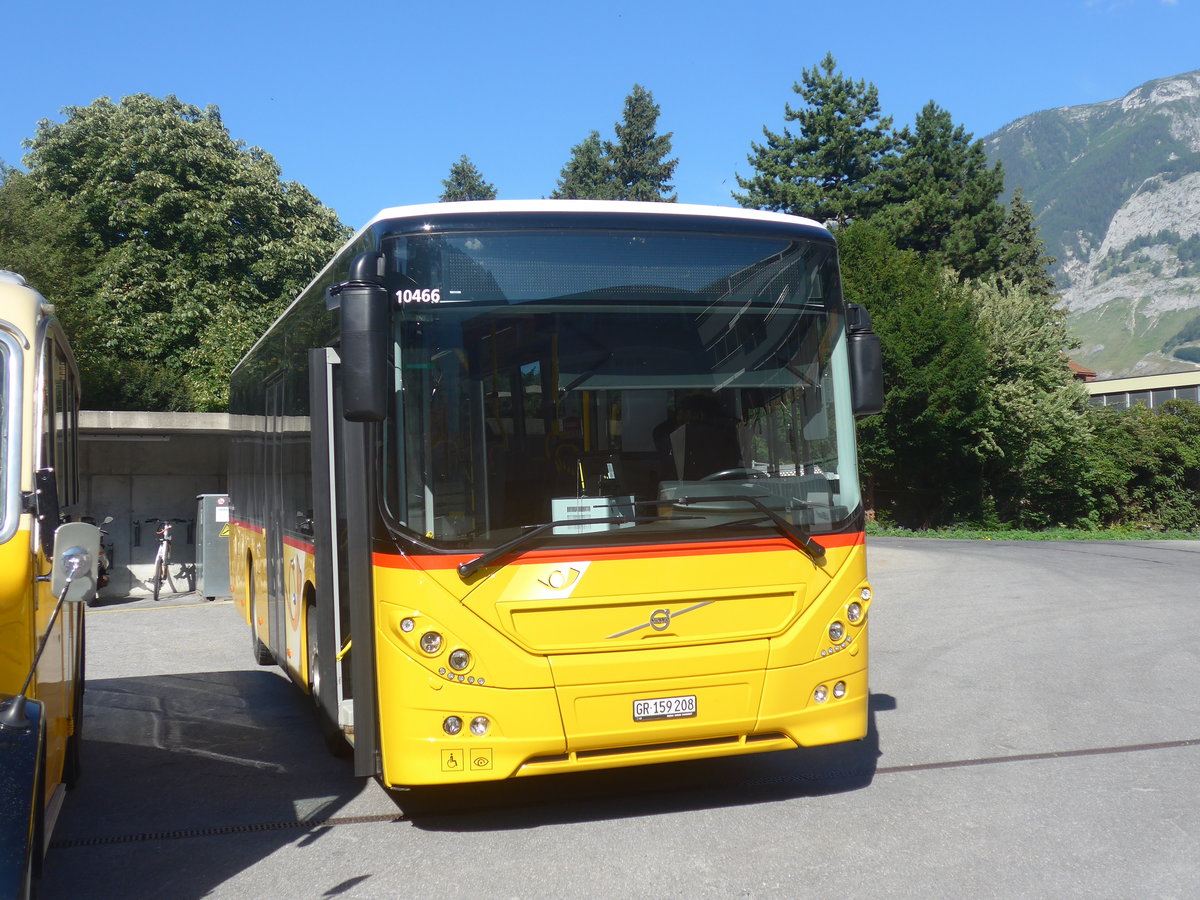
pixel 452 725
pixel 479 726
pixel 459 660
pixel 837 631
pixel 431 642
pixel 854 612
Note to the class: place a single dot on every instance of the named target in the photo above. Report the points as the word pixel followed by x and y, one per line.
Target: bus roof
pixel 624 207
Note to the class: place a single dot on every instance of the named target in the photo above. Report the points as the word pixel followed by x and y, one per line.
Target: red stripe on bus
pixel 451 561
pixel 292 542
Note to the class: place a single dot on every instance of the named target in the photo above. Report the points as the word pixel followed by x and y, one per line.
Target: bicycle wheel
pixel 158 573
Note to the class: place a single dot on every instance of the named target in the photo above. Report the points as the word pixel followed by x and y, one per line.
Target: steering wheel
pixel 734 473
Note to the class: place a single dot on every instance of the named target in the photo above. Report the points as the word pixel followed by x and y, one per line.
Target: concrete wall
pixel 137 466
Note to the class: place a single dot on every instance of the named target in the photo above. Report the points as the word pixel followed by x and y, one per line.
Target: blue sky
pixel 368 103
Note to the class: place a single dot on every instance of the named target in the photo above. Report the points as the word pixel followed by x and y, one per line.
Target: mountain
pixel 1115 187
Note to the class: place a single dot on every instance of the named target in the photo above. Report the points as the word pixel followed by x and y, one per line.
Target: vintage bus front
pixel 621 494
pixel 41 697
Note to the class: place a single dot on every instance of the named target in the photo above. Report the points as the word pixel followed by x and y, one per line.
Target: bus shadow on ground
pixel 651 790
pixel 234 756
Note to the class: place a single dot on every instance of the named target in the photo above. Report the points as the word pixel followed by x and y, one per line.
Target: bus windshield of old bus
pixel 10 494
pixel 626 386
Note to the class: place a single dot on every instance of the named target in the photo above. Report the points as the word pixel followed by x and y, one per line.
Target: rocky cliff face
pixel 1116 188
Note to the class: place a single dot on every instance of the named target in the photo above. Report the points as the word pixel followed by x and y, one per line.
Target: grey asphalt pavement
pixel 1035 732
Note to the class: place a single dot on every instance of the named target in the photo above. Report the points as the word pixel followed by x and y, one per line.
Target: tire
pixel 157 578
pixel 262 653
pixel 310 638
pixel 335 741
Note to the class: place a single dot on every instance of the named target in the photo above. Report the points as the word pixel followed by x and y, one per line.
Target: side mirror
pixel 76 553
pixel 364 304
pixel 866 362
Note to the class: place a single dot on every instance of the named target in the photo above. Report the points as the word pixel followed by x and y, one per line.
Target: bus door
pixel 344 621
pixel 276 601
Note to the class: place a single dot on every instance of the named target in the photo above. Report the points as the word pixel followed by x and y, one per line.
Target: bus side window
pixel 49 444
pixel 60 420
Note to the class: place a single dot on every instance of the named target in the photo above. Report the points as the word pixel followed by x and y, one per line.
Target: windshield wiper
pixel 471 566
pixel 786 528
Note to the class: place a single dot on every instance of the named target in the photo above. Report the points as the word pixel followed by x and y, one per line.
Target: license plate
pixel 664 708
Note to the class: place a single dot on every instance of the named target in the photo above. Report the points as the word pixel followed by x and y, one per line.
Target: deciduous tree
pixel 38 237
pixel 1036 413
pixel 1144 466
pixel 197 246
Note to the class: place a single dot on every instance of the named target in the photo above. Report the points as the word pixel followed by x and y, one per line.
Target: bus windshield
pixel 10 495
pixel 622 385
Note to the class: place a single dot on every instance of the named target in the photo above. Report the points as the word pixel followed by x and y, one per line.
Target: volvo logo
pixel 660 619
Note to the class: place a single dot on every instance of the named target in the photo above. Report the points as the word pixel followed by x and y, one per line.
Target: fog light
pixel 837 631
pixel 407 625
pixel 479 726
pixel 854 612
pixel 459 660
pixel 839 690
pixel 452 725
pixel 431 642
pixel 821 694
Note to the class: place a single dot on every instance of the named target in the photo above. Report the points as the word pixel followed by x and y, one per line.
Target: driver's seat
pixel 704 448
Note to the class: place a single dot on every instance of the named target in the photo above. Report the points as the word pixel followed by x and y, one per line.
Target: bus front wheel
pixel 335 741
pixel 262 653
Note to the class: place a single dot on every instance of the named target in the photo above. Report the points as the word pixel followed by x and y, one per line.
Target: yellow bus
pixel 546 486
pixel 41 638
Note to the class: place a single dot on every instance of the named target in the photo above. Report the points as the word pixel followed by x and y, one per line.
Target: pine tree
pixel 465 182
pixel 588 173
pixel 830 169
pixel 1023 259
pixel 942 195
pixel 638 158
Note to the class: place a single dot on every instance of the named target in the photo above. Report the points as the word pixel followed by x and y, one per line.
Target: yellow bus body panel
pixel 248 575
pixel 23 620
pixel 17 640
pixel 561 646
pixel 247 569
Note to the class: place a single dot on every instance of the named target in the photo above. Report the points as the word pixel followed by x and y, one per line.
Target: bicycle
pixel 162 557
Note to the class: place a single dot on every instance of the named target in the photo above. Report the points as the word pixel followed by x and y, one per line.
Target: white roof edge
pixel 606 206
